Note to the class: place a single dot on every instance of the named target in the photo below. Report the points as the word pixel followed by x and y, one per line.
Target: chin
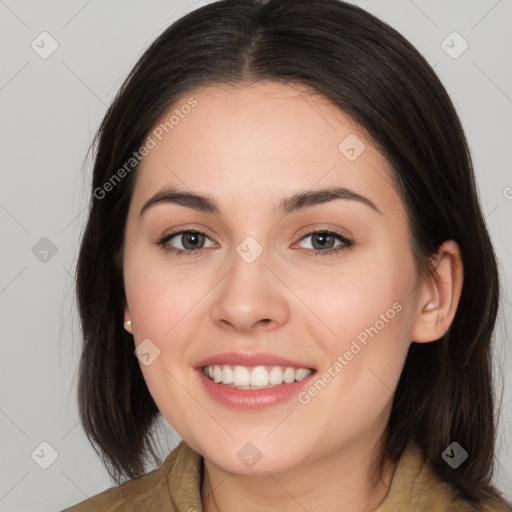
pixel 252 458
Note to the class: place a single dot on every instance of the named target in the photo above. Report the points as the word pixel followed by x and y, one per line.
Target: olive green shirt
pixel 176 487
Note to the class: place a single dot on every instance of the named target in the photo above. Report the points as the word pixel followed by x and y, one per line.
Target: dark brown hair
pixel 369 71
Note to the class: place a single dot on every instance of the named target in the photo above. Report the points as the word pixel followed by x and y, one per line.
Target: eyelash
pixel 346 243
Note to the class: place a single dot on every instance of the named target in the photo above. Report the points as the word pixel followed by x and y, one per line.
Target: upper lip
pixel 251 359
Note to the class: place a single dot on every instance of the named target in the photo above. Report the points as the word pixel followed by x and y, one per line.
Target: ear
pixel 127 320
pixel 439 295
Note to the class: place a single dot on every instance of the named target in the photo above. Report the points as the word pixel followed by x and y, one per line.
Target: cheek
pixel 364 333
pixel 165 305
pixel 159 295
pixel 364 290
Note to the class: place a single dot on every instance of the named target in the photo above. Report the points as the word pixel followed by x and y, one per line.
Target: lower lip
pixel 252 399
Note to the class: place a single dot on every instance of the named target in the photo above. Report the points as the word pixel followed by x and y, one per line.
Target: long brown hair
pixel 368 70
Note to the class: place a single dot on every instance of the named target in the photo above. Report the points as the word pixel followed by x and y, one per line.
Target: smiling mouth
pixel 255 377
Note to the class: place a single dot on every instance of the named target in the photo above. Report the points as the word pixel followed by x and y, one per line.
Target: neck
pixel 344 480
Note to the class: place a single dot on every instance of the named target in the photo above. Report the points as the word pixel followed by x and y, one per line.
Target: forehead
pixel 257 143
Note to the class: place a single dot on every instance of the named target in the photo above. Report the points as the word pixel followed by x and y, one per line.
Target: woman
pixel 251 136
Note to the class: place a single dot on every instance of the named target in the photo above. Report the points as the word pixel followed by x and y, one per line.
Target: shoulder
pixel 178 475
pixel 416 488
pixel 145 488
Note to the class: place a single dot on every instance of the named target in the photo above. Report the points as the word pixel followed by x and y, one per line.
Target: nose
pixel 250 298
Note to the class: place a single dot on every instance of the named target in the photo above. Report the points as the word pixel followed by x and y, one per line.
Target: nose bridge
pixel 249 296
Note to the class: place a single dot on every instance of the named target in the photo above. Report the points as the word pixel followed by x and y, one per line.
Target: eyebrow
pixel 298 201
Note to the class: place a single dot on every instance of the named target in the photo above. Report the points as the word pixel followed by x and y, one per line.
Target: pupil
pixel 187 237
pixel 324 239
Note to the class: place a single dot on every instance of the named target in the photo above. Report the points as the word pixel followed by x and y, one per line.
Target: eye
pixel 323 241
pixel 192 242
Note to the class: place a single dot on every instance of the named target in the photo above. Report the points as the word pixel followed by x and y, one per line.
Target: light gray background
pixel 50 110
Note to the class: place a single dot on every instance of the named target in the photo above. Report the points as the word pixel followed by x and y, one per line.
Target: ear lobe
pixel 440 295
pixel 127 321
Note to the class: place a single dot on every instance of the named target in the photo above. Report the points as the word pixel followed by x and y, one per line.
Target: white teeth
pixel 257 377
pixel 241 376
pixel 217 374
pixel 227 374
pixel 289 375
pixel 276 376
pixel 301 373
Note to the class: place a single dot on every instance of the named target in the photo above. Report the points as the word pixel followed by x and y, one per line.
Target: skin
pixel 249 147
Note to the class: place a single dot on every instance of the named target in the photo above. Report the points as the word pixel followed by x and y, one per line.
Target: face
pixel 317 291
